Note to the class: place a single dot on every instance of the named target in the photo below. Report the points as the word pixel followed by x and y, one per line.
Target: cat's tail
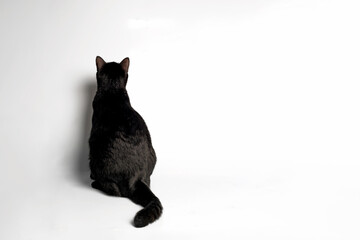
pixel 143 196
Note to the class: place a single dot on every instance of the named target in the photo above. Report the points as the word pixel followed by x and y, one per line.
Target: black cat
pixel 121 154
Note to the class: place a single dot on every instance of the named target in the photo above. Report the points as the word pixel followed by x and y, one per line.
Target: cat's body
pixel 121 154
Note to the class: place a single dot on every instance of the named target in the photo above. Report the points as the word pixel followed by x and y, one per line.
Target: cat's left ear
pixel 125 64
pixel 99 63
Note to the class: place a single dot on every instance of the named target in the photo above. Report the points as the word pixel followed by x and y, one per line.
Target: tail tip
pixel 140 221
pixel 148 215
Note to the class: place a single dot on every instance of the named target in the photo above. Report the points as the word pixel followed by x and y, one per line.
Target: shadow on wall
pixel 82 172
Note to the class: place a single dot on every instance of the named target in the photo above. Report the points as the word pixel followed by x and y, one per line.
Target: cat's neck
pixel 115 95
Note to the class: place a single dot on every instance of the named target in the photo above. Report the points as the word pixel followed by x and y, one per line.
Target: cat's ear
pixel 99 63
pixel 125 64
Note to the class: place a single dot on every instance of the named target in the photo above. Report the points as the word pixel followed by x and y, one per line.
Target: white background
pixel 253 107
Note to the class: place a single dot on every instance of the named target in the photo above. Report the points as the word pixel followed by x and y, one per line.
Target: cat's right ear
pixel 99 63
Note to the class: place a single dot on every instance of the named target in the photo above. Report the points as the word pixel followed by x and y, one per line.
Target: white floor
pixel 253 107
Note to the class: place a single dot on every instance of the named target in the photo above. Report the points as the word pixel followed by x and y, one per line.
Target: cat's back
pixel 113 115
pixel 120 142
pixel 117 126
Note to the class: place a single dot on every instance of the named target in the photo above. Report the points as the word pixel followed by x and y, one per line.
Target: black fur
pixel 121 154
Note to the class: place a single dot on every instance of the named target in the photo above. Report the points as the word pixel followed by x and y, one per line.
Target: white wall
pixel 253 107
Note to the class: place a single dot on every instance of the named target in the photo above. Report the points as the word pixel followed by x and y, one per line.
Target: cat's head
pixel 112 75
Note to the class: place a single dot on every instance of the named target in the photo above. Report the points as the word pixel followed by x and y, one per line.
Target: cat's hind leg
pixel 108 187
